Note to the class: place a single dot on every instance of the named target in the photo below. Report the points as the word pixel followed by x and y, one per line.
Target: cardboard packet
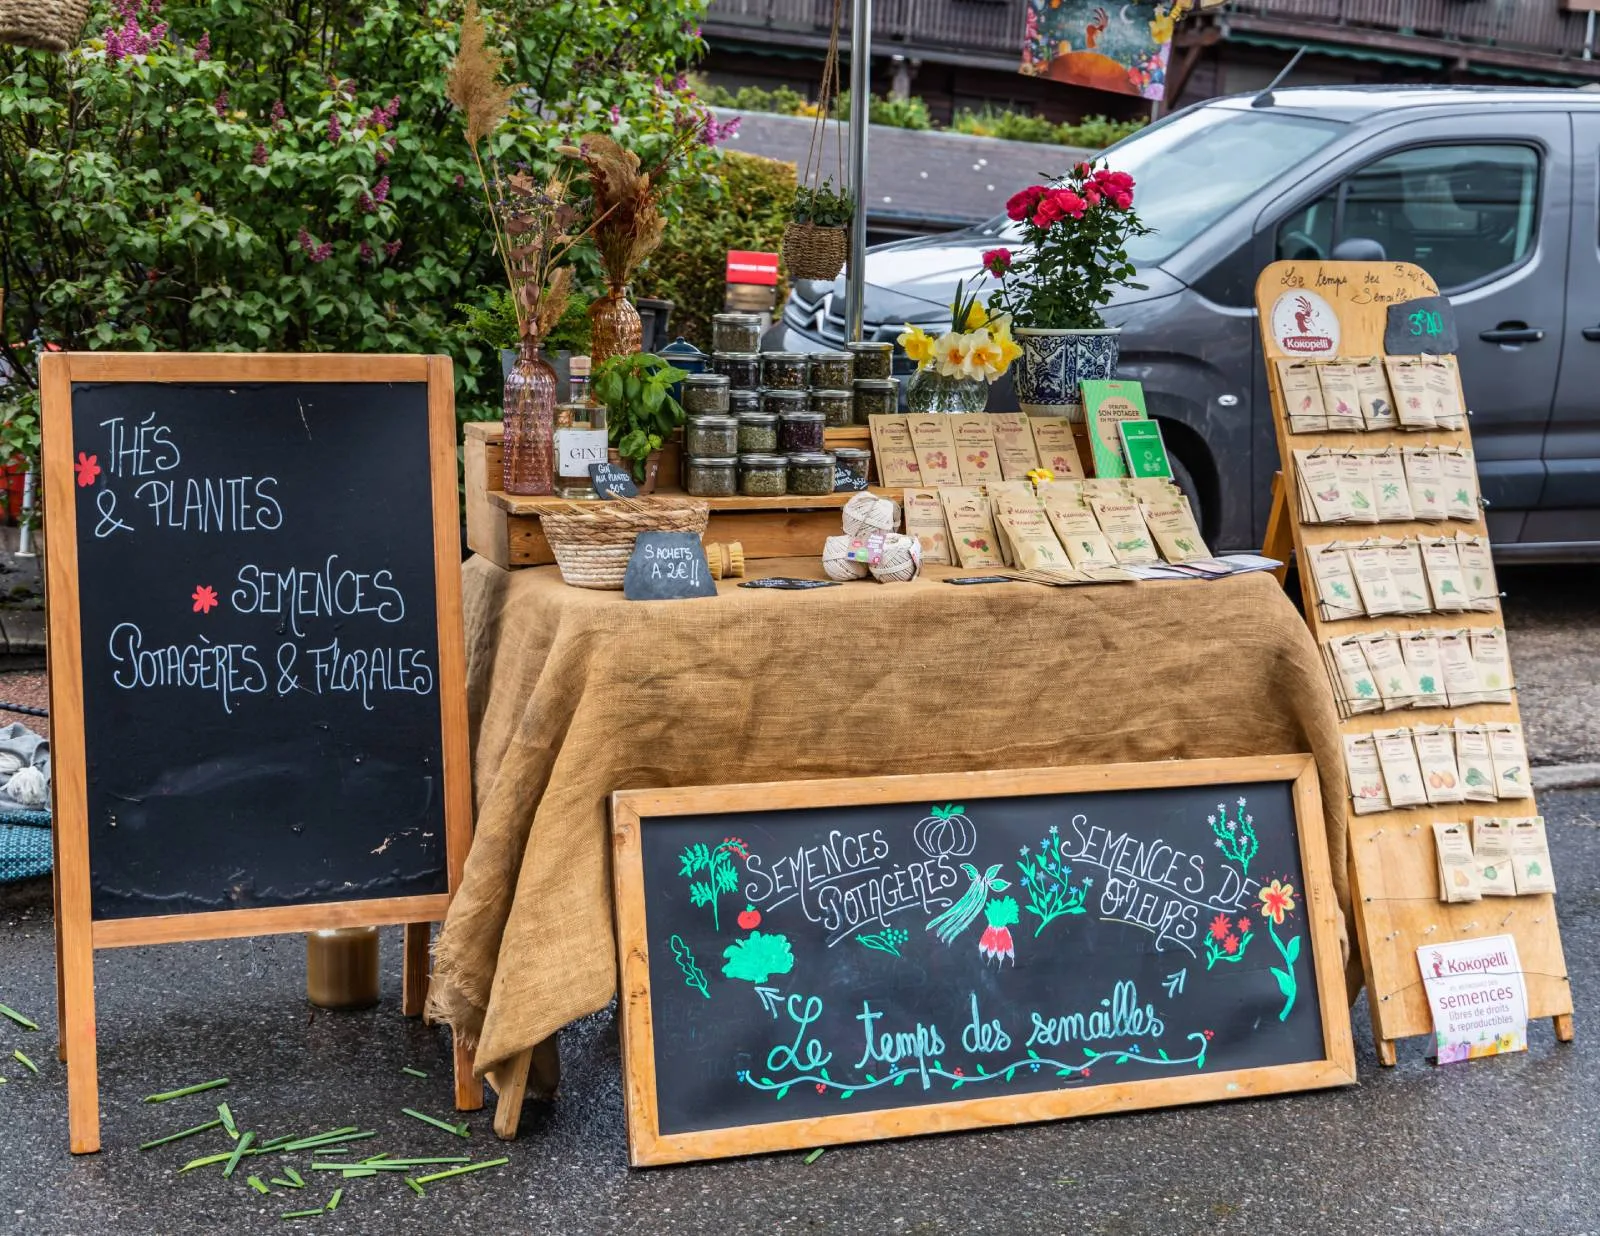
pixel 1477 564
pixel 1172 525
pixel 1358 689
pixel 925 521
pixel 1367 793
pixel 1395 687
pixel 1460 473
pixel 1425 481
pixel 972 536
pixel 1125 528
pixel 893 453
pixel 1494 664
pixel 1340 397
pixel 1302 396
pixel 1461 683
pixel 1436 756
pixel 935 444
pixel 1472 758
pixel 1458 872
pixel 1078 531
pixel 1389 486
pixel 1107 402
pixel 1444 392
pixel 1016 491
pixel 1420 651
pixel 1402 775
pixel 1410 581
pixel 1322 500
pixel 1491 852
pixel 1034 546
pixel 1372 390
pixel 1013 441
pixel 1374 585
pixel 1530 856
pixel 1354 470
pixel 1411 403
pixel 1509 756
pixel 1337 596
pixel 1446 584
pixel 977 453
pixel 1056 448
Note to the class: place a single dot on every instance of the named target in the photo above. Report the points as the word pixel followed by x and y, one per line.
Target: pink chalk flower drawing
pixel 88 468
pixel 205 599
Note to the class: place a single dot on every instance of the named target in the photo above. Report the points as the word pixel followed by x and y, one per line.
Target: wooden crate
pixel 505 529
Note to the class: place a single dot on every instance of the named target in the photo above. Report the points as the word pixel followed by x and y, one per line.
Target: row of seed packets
pixel 1431 483
pixel 1363 394
pixel 1387 575
pixel 1433 764
pixel 1388 670
pixel 1501 857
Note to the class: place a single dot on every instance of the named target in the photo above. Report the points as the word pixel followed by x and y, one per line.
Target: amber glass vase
pixel 528 447
pixel 617 330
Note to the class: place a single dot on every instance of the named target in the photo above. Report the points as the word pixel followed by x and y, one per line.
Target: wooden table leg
pixel 469 1090
pixel 511 1081
pixel 1279 541
pixel 1564 1028
pixel 415 964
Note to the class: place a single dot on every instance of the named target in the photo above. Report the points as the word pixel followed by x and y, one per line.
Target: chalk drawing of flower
pixel 87 467
pixel 205 599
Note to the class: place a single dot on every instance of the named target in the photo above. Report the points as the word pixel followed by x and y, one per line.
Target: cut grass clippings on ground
pixel 186 1090
pixel 333 1202
pixel 462 1171
pixel 460 1130
pixel 226 1117
pixel 26 1063
pixel 301 1214
pixel 6 1011
pixel 179 1136
pixel 814 1156
pixel 410 1072
pixel 240 1147
pixel 255 1183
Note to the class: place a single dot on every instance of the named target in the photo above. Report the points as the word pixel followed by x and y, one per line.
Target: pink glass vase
pixel 527 452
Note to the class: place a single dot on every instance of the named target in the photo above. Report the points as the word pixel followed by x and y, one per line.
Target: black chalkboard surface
pixel 862 960
pixel 1426 324
pixel 259 642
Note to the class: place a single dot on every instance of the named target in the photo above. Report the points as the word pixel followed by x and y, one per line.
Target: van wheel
pixel 1185 480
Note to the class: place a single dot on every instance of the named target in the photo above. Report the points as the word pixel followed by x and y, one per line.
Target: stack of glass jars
pixel 710 437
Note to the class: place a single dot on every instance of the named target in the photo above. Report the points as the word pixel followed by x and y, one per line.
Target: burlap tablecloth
pixel 576 693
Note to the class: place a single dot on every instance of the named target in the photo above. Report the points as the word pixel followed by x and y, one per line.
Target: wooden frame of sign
pixel 78 932
pixel 633 811
pixel 1394 882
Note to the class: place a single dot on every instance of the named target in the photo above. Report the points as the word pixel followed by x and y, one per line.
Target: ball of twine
pixel 836 564
pixel 866 513
pixel 901 561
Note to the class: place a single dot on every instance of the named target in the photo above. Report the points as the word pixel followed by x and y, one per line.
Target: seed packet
pixel 1446 584
pixel 1322 501
pixel 1491 852
pixel 925 521
pixel 1354 470
pixel 1057 448
pixel 1425 480
pixel 1388 667
pixel 1034 546
pixel 1302 397
pixel 1340 397
pixel 977 454
pixel 1460 472
pixel 1335 583
pixel 1530 856
pixel 1494 664
pixel 1372 390
pixel 1420 651
pixel 1483 590
pixel 1411 406
pixel 1436 754
pixel 1172 525
pixel 893 453
pixel 972 536
pixel 1078 530
pixel 1389 486
pixel 1460 670
pixel 1458 872
pixel 1013 440
pixel 1367 792
pixel 1472 758
pixel 1410 582
pixel 1444 392
pixel 1358 690
pixel 1510 758
pixel 1125 528
pixel 1402 775
pixel 935 444
pixel 1375 586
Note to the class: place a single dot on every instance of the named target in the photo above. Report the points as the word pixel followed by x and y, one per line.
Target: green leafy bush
pixel 1094 132
pixel 908 113
pixel 823 206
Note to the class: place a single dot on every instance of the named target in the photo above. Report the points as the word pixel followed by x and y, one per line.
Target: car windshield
pixel 1194 168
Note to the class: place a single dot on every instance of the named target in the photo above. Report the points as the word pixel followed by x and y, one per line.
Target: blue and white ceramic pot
pixel 1054 362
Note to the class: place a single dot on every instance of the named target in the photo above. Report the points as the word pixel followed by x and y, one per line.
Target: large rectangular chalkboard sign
pixel 257 667
pixel 818 962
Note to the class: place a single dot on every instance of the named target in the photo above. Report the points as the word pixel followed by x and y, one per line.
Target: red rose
pixel 1049 211
pixel 997 261
pixel 1114 182
pixel 1021 205
pixel 1124 201
pixel 1068 202
pixel 1091 194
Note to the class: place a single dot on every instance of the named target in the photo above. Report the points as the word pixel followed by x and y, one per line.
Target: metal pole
pixel 25 532
pixel 860 113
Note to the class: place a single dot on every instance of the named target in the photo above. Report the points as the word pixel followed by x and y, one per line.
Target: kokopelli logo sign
pixel 1304 324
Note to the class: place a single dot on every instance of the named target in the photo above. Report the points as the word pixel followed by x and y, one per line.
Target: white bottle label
pixel 576 449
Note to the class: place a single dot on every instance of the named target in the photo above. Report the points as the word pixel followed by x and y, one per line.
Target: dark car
pixel 1495 192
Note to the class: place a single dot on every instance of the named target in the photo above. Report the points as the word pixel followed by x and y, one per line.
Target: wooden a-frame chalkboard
pixel 815 962
pixel 257 669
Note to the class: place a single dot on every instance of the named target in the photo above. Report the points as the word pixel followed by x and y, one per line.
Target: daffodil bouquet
pixel 977 346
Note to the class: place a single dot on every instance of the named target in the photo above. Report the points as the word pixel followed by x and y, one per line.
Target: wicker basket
pixel 43 25
pixel 809 251
pixel 592 542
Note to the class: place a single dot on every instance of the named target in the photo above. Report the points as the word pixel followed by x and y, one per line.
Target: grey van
pixel 1495 192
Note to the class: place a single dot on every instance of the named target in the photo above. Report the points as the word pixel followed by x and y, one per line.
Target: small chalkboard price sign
pixel 818 962
pixel 1424 325
pixel 668 566
pixel 257 669
pixel 611 481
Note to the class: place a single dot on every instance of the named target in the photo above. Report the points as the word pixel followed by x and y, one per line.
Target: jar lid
pixel 801 414
pixel 852 452
pixel 783 356
pixel 812 457
pixel 822 392
pixel 715 461
pixel 763 462
pixel 737 356
pixel 758 418
pixel 706 379
pixel 715 420
pixel 736 317
pixel 772 392
pixel 876 384
pixel 833 356
pixel 868 345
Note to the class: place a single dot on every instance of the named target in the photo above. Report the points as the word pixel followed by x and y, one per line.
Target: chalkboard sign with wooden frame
pixel 1038 945
pixel 257 669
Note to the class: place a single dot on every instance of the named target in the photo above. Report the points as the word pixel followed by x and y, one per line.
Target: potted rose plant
pixel 1076 233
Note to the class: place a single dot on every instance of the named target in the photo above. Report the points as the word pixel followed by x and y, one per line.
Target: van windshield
pixel 1192 169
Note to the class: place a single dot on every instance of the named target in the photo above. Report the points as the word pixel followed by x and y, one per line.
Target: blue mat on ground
pixel 24 845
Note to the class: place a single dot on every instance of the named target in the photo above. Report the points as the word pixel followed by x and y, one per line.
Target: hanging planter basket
pixel 43 25
pixel 812 252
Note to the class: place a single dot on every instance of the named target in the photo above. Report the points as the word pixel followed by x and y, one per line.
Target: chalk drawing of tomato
pixel 749 918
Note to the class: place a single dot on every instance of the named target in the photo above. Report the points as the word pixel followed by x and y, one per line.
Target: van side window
pixel 1463 212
